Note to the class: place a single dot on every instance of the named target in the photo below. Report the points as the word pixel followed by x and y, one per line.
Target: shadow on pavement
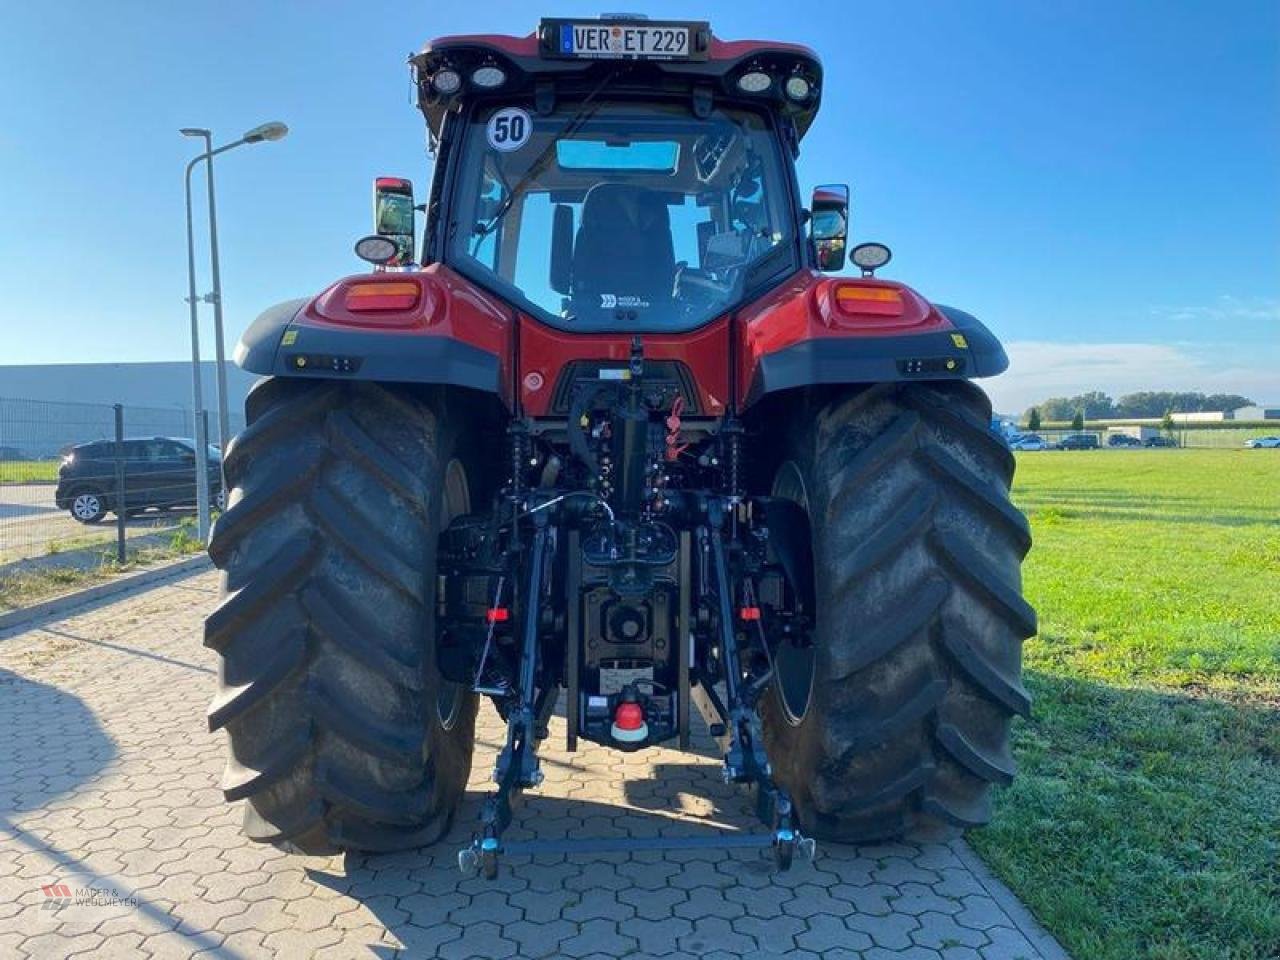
pixel 131 651
pixel 46 722
pixel 667 800
pixel 10 511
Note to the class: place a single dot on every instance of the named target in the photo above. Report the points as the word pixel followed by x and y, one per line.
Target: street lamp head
pixel 275 130
pixel 193 132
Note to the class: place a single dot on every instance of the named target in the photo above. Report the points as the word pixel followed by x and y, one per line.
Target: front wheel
pixel 343 734
pixel 895 722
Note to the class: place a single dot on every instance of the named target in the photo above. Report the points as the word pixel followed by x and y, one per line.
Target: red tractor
pixel 613 436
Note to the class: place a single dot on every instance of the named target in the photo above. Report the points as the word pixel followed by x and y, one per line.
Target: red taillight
pixel 497 615
pixel 749 613
pixel 382 295
pixel 854 299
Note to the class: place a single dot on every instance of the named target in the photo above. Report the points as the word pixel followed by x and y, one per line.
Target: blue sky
pixel 1100 182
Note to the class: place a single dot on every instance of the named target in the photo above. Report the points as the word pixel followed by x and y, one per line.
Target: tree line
pixel 1096 405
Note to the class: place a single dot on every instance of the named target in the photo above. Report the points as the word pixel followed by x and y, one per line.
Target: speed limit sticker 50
pixel 509 129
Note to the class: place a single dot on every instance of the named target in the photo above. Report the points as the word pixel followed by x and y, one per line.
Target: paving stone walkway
pixel 115 841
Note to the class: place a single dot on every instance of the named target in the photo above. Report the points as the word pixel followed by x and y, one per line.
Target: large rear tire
pixel 901 724
pixel 343 735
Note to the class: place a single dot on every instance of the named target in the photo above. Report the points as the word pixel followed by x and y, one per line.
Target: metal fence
pixel 84 477
pixel 1213 438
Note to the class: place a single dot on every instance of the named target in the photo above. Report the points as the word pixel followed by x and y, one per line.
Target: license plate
pixel 617 41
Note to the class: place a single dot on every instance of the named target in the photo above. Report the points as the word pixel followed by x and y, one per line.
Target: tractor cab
pixel 617 175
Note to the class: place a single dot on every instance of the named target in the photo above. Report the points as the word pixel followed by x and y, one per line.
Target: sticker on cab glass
pixel 609 301
pixel 959 340
pixel 509 129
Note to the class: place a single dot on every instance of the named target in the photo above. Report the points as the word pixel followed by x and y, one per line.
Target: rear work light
pixel 756 81
pixel 447 81
pixel 395 295
pixel 489 77
pixel 798 88
pixel 855 299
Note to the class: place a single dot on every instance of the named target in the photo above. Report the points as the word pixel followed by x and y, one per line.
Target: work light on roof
pixel 797 87
pixel 755 81
pixel 376 250
pixel 447 81
pixel 488 77
pixel 870 257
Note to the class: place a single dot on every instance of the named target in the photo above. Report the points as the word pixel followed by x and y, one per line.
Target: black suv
pixel 1078 441
pixel 158 472
pixel 1123 440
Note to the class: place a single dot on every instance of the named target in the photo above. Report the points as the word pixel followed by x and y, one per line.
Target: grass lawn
pixel 1145 822
pixel 29 471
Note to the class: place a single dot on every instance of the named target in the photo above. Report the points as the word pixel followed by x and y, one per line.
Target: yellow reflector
pixel 403 289
pixel 878 294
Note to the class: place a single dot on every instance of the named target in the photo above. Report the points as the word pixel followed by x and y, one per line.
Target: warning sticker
pixel 509 129
pixel 959 340
pixel 289 339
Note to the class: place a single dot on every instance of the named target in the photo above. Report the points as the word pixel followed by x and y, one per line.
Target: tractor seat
pixel 623 255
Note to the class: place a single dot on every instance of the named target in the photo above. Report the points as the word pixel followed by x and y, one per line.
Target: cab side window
pixel 490 201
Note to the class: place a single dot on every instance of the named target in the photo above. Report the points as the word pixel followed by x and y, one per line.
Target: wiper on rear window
pixel 584 113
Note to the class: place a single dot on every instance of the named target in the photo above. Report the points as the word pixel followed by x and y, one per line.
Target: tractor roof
pixel 544 64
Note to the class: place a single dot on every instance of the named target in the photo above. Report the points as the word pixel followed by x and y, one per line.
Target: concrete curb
pixel 1023 919
pixel 143 579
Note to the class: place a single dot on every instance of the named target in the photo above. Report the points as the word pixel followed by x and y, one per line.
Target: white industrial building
pixel 1258 412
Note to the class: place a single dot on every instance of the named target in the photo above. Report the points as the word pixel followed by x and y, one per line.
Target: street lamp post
pixel 259 134
pixel 197 392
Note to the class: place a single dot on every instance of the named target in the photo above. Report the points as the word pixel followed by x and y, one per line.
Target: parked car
pixel 158 472
pixel 1263 443
pixel 1028 441
pixel 1078 441
pixel 1158 441
pixel 1123 440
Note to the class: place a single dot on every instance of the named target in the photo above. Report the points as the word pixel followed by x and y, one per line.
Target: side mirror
pixel 393 216
pixel 829 224
pixel 562 248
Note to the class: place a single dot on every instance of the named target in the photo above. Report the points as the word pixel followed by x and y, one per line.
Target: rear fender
pixel 443 330
pixel 799 335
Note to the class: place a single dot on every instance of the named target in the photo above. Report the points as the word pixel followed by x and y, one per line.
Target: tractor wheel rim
pixel 86 506
pixel 455 501
pixel 794 664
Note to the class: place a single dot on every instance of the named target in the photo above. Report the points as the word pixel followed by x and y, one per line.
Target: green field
pixel 1145 821
pixel 28 471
